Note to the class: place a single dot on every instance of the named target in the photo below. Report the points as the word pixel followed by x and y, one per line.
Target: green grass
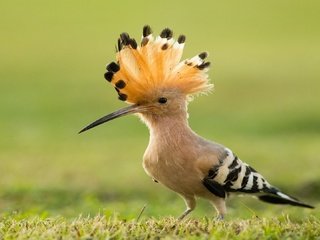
pixel 101 227
pixel 265 107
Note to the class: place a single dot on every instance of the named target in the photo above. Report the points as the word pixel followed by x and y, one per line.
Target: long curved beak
pixel 119 113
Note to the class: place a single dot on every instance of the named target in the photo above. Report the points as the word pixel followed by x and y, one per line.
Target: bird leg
pixel 185 213
pixel 220 206
pixel 191 204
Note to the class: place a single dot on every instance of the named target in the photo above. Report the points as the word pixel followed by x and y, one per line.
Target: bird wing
pixel 233 175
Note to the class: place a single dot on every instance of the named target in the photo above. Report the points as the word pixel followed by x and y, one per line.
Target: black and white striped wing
pixel 233 175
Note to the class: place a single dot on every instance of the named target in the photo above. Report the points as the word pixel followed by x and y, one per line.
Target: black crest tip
pixel 166 33
pixel 122 96
pixel 120 84
pixel 203 65
pixel 113 67
pixel 203 55
pixel 165 46
pixel 144 41
pixel 146 31
pixel 181 39
pixel 133 43
pixel 125 38
pixel 119 44
pixel 108 76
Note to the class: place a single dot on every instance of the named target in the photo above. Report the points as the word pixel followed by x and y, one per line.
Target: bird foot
pixel 220 217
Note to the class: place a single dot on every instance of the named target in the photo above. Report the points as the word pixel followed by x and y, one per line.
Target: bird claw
pixel 220 217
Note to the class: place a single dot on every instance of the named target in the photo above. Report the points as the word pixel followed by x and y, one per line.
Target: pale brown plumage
pixel 158 86
pixel 179 159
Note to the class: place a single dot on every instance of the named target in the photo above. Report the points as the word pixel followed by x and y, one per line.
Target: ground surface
pixel 265 107
pixel 99 227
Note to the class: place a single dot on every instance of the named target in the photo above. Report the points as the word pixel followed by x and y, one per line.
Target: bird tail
pixel 275 196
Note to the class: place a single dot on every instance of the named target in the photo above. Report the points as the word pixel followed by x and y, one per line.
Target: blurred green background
pixel 265 106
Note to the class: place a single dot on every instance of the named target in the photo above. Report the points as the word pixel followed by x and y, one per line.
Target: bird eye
pixel 162 100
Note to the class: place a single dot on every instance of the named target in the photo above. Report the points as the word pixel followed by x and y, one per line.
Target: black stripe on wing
pixel 235 173
pixel 213 172
pixel 234 163
pixel 214 187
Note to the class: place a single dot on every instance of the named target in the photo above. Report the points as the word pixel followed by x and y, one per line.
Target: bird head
pixel 151 77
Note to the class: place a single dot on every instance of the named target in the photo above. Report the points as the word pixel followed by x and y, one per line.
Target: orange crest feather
pixel 142 70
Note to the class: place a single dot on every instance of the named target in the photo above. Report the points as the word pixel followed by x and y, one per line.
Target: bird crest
pixel 141 70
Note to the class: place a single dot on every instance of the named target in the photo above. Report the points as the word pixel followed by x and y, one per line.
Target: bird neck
pixel 169 130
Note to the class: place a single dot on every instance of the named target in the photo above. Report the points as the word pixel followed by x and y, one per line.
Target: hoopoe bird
pixel 158 86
